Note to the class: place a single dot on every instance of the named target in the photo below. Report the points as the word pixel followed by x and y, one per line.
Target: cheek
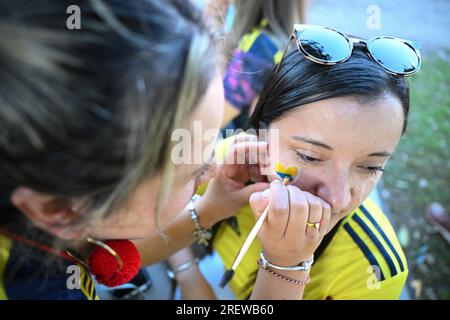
pixel 363 188
pixel 285 157
pixel 360 192
pixel 309 179
pixel 177 201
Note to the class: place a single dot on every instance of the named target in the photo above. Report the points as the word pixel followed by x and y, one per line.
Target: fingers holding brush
pixel 278 216
pixel 298 213
pixel 296 223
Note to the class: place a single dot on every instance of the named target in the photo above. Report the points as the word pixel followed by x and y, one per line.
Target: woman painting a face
pixel 85 137
pixel 339 123
pixel 85 154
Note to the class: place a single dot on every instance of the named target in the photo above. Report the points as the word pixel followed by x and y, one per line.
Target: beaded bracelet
pixel 293 281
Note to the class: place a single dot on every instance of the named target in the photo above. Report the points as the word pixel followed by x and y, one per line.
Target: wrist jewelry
pixel 183 267
pixel 201 235
pixel 303 266
pixel 293 281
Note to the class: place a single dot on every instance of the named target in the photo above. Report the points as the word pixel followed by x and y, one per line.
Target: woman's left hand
pixel 229 190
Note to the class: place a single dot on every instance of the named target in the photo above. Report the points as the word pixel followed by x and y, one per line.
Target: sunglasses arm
pixel 285 51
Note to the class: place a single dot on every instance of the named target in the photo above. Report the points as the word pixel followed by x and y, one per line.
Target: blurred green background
pixel 419 173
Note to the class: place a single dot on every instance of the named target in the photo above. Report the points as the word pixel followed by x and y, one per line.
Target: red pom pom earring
pixel 114 262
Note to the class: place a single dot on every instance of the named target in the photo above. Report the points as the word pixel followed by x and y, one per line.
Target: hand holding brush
pixel 287 174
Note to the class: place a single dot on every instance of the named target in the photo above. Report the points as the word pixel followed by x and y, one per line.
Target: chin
pixel 346 212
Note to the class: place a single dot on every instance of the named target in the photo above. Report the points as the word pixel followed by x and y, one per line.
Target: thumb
pixel 259 201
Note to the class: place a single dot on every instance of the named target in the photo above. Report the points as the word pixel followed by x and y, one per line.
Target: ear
pixel 50 213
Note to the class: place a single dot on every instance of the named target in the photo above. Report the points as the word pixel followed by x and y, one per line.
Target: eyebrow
pixel 383 154
pixel 380 154
pixel 313 142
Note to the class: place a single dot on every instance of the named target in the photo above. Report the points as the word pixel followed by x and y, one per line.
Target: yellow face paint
pixel 283 172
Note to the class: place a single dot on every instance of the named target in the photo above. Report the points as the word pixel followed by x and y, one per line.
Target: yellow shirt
pixel 364 259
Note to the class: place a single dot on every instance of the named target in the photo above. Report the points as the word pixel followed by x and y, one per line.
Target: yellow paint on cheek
pixel 283 172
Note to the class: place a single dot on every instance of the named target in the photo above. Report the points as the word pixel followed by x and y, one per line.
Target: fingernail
pixel 265 194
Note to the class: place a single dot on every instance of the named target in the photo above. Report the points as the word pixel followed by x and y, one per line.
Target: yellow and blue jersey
pixel 363 258
pixel 250 66
pixel 26 273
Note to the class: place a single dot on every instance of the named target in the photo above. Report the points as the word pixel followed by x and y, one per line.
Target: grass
pixel 418 174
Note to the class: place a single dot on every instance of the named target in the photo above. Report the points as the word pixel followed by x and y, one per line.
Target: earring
pixel 113 262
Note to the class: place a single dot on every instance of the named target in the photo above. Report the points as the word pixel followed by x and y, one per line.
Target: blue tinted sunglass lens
pixel 394 55
pixel 324 44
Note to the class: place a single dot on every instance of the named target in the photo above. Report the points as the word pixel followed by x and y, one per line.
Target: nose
pixel 337 192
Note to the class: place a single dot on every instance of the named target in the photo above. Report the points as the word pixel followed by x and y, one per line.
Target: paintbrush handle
pixel 252 235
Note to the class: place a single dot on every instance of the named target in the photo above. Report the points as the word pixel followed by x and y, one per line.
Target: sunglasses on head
pixel 327 46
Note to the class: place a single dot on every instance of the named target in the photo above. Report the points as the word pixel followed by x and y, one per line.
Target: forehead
pixel 346 123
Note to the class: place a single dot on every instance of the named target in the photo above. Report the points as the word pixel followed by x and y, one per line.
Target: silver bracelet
pixel 183 267
pixel 201 235
pixel 303 266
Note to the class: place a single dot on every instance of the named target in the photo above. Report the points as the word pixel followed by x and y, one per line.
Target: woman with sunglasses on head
pixel 338 106
pixel 86 119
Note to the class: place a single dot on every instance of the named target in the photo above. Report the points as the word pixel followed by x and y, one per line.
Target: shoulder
pixel 256 49
pixel 363 260
pixel 27 273
pixel 249 68
pixel 258 41
pixel 5 247
pixel 370 231
pixel 369 254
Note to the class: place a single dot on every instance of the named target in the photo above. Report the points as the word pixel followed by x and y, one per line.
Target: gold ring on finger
pixel 313 225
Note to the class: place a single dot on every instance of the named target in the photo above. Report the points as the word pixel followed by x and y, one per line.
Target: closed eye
pixel 307 158
pixel 372 170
